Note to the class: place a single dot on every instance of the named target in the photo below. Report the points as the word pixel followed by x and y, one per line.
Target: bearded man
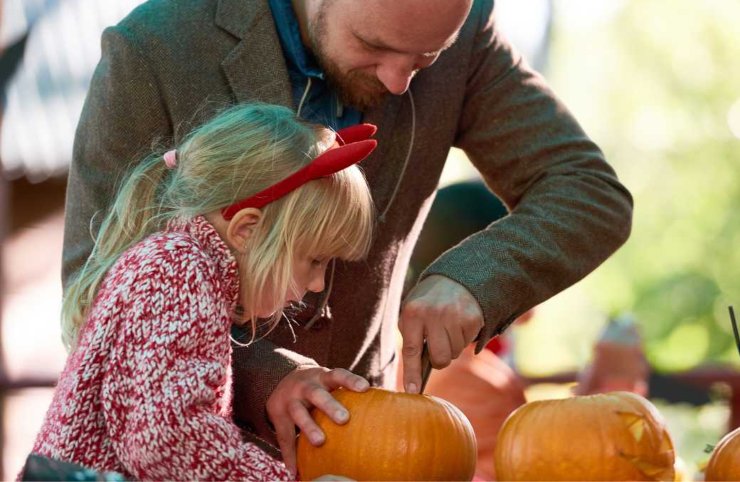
pixel 431 74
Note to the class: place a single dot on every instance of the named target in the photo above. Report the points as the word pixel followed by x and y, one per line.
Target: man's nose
pixel 396 75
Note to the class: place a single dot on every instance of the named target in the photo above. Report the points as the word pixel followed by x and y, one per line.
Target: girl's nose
pixel 317 282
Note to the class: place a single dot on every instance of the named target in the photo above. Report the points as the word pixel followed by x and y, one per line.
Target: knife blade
pixel 426 367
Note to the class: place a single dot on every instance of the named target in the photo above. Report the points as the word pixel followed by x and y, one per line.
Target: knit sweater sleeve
pixel 166 395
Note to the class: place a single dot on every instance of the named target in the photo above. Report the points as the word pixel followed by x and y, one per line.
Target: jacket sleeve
pixel 122 113
pixel 258 368
pixel 568 210
pixel 166 397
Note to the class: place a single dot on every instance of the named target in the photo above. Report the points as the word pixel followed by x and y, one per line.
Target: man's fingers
pixel 411 353
pixel 302 418
pixel 457 340
pixel 470 332
pixel 440 352
pixel 412 325
pixel 285 434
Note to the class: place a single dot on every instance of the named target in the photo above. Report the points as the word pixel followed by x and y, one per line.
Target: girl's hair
pixel 238 153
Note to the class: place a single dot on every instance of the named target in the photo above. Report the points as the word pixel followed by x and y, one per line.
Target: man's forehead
pixel 409 26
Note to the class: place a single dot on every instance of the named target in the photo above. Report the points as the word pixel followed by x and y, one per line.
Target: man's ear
pixel 242 227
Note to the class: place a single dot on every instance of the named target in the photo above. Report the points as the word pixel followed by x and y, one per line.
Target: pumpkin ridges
pixel 370 446
pixel 454 416
pixel 541 440
pixel 724 464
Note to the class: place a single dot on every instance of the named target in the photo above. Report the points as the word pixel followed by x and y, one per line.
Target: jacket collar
pixel 255 68
pixel 237 16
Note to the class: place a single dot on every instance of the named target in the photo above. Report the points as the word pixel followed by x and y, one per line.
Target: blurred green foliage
pixel 657 85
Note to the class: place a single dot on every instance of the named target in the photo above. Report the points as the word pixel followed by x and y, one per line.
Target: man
pixel 431 74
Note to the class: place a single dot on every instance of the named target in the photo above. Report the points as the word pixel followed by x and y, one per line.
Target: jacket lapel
pixel 255 68
pixel 392 144
pixel 256 71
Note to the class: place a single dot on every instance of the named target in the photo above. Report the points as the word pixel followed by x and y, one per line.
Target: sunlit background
pixel 655 83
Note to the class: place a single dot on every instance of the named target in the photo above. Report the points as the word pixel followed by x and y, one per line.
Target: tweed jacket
pixel 147 391
pixel 169 65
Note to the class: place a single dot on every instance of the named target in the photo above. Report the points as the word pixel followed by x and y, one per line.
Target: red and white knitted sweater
pixel 147 392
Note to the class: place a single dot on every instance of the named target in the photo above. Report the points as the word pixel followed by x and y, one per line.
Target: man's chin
pixel 364 101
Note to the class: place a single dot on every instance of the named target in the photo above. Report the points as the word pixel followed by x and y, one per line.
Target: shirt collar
pixel 294 51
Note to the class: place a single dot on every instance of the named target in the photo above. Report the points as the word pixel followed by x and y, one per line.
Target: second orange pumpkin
pixel 612 436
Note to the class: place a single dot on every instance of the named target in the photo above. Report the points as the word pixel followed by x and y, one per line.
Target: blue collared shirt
pixel 321 105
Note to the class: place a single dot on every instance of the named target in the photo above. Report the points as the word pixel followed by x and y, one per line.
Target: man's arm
pixel 123 115
pixel 569 212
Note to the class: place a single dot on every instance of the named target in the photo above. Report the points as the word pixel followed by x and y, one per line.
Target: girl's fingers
pixel 285 434
pixel 322 399
pixel 289 406
pixel 302 418
pixel 340 377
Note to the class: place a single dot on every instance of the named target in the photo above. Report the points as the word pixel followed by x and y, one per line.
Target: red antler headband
pixel 352 145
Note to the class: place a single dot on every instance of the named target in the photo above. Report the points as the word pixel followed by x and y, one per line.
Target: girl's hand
pixel 296 394
pixel 444 313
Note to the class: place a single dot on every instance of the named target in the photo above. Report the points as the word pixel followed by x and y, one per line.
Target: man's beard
pixel 358 89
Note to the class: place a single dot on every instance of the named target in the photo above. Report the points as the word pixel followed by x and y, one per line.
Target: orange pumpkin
pixel 612 436
pixel 724 464
pixel 391 436
pixel 486 390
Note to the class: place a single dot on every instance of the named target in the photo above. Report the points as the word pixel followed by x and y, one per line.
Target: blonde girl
pixel 237 223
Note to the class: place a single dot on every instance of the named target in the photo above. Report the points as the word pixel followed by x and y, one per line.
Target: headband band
pixel 353 144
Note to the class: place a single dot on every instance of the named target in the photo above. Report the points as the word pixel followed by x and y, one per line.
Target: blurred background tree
pixel 656 85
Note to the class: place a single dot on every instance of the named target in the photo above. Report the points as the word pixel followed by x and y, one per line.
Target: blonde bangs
pixel 326 218
pixel 336 215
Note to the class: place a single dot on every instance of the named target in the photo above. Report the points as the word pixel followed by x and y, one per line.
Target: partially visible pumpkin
pixel 391 436
pixel 724 464
pixel 612 436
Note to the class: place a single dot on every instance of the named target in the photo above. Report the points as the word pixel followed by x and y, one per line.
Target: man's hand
pixel 444 313
pixel 294 396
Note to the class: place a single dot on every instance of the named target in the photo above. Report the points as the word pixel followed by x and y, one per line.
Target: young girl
pixel 238 222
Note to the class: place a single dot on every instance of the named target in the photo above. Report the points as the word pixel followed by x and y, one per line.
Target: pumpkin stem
pixel 734 328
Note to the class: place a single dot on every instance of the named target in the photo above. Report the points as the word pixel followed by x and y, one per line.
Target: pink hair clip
pixel 170 158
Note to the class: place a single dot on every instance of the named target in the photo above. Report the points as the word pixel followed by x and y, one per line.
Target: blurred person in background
pixel 618 361
pixel 431 75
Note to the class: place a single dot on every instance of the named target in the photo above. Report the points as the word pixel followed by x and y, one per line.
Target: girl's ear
pixel 242 227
